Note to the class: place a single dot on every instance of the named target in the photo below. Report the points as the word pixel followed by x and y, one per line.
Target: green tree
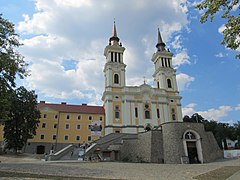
pixel 210 125
pixel 197 118
pixel 221 131
pixel 237 133
pixel 230 12
pixel 23 121
pixel 186 118
pixel 11 65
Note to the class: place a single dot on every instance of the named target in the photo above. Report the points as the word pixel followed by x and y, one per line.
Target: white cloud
pixel 73 3
pixel 237 108
pixel 221 28
pixel 217 114
pixel 189 109
pixel 219 55
pixel 181 58
pixel 78 30
pixel 176 44
pixel 184 81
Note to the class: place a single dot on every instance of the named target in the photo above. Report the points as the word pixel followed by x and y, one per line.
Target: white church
pixel 128 109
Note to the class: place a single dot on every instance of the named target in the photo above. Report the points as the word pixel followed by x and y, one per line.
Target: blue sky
pixel 64 42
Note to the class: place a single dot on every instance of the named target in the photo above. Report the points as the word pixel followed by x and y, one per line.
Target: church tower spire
pixel 114 39
pixel 160 45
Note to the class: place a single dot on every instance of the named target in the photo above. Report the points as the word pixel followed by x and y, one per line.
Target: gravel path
pixel 115 170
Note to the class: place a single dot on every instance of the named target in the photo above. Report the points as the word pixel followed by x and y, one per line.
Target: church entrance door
pixel 192 152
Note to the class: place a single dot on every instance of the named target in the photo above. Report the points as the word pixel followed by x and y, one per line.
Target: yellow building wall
pixel 51 117
pixel 72 132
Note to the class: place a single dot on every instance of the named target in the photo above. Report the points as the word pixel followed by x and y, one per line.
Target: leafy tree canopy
pixel 194 118
pixel 11 64
pixel 230 12
pixel 23 121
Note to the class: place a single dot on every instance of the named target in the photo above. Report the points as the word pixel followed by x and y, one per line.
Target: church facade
pixel 130 109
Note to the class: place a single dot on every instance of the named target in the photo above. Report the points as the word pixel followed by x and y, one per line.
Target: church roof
pixel 68 108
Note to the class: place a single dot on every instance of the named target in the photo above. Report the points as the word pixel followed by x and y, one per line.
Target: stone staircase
pixel 71 155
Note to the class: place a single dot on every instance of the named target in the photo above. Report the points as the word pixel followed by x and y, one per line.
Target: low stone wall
pixel 130 150
pixel 173 148
pixel 211 150
pixel 157 147
pixel 137 150
pixel 147 148
pixel 173 142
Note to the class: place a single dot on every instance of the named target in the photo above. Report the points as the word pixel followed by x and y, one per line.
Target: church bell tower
pixel 114 70
pixel 114 73
pixel 164 75
pixel 165 78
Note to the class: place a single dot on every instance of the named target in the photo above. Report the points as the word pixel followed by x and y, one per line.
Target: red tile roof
pixel 67 108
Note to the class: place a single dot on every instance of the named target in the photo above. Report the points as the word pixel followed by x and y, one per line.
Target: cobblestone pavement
pixel 115 170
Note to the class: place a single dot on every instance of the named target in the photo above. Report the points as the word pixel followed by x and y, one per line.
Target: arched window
pixel 147 112
pixel 136 112
pixel 158 113
pixel 169 64
pixel 115 56
pixel 117 112
pixel 173 115
pixel 116 79
pixel 169 83
pixel 117 115
pixel 112 56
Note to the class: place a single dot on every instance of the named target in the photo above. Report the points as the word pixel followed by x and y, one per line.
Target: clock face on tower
pixel 168 73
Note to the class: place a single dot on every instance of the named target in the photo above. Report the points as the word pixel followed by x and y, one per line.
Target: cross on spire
pixel 144 80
